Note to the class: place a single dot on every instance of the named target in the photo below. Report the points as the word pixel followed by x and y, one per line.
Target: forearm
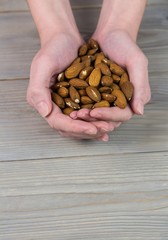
pixel 121 15
pixel 52 17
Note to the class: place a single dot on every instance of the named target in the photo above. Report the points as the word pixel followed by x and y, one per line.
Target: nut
pixel 95 77
pixel 91 81
pixel 74 70
pixel 58 100
pixel 102 103
pixel 93 93
pixel 74 95
pixel 78 83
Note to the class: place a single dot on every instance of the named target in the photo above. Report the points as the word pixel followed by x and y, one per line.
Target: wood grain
pixel 104 197
pixel 25 135
pixel 57 188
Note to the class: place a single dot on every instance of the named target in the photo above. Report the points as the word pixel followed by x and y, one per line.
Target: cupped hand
pixel 52 59
pixel 119 47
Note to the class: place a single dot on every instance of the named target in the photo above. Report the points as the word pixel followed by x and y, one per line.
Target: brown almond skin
pixel 128 89
pixel 102 103
pixel 104 69
pixel 77 60
pixel 106 81
pixel 88 106
pixel 60 84
pixel 108 97
pixel 72 104
pixel 93 43
pixel 116 69
pixel 93 93
pixel 115 78
pixel 105 90
pixel 74 95
pixel 82 92
pixel 86 100
pixel 67 111
pixel 114 86
pixel 100 56
pixel 58 100
pixel 83 50
pixel 85 72
pixel 121 100
pixel 78 83
pixel 124 78
pixel 107 61
pixel 63 92
pixel 92 51
pixel 74 70
pixel 95 77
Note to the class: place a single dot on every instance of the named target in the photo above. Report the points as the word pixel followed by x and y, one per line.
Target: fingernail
pixel 140 108
pixel 105 138
pixel 43 109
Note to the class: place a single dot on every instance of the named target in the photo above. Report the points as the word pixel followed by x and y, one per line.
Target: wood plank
pixel 25 135
pixel 92 197
pixel 21 5
pixel 19 39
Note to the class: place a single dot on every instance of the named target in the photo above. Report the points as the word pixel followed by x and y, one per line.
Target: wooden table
pixel 57 188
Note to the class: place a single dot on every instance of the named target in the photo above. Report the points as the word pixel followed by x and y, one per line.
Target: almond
pixel 86 100
pixel 105 90
pixel 124 78
pixel 88 106
pixel 78 83
pixel 83 49
pixel 107 61
pixel 82 92
pixel 74 95
pixel 108 97
pixel 115 78
pixel 114 86
pixel 93 93
pixel 58 100
pixel 120 101
pixel 102 103
pixel 92 51
pixel 93 43
pixel 74 70
pixel 106 81
pixel 72 104
pixel 67 111
pixel 99 58
pixel 77 60
pixel 104 69
pixel 85 72
pixel 60 84
pixel 128 89
pixel 116 69
pixel 95 77
pixel 63 92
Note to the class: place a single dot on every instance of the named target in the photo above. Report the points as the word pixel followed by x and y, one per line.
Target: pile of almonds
pixel 91 81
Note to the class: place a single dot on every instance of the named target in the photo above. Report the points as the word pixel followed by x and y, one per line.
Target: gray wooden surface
pixel 56 188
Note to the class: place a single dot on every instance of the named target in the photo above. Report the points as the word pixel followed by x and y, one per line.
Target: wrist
pixel 121 15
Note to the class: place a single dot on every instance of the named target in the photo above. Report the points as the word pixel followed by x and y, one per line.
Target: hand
pixel 53 58
pixel 120 47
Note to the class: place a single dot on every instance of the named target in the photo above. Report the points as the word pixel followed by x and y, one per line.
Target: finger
pixel 112 114
pixel 62 122
pixel 85 115
pixel 104 137
pixel 138 73
pixel 79 136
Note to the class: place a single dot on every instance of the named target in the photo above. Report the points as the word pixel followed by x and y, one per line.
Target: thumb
pixel 38 92
pixel 138 73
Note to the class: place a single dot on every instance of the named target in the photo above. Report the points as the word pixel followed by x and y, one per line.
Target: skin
pixel 60 37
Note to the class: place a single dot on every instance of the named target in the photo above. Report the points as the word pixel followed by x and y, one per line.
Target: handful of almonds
pixel 91 81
